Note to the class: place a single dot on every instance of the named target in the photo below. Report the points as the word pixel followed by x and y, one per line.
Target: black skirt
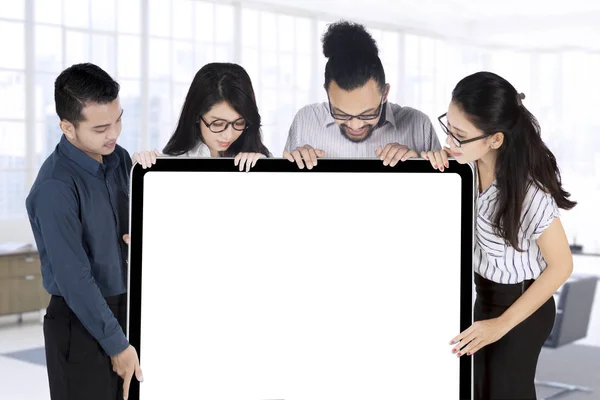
pixel 505 370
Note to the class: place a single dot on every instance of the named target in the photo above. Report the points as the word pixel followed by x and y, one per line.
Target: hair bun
pixel 346 38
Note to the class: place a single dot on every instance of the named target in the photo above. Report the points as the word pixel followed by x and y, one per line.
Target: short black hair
pixel 79 85
pixel 353 56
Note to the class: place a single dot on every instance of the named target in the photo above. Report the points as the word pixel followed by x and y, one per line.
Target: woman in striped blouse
pixel 521 253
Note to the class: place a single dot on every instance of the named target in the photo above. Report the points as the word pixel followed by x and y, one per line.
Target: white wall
pixel 154 47
pixel 16 230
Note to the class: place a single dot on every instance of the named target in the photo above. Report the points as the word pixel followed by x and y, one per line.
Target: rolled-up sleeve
pixel 55 212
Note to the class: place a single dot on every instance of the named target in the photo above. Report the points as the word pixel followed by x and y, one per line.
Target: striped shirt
pixel 498 261
pixel 313 125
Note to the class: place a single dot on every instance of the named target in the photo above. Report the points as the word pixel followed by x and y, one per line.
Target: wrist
pixel 508 320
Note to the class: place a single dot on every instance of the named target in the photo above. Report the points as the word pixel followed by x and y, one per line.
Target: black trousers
pixel 78 368
pixel 505 370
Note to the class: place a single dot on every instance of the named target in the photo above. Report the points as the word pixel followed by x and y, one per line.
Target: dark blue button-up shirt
pixel 79 211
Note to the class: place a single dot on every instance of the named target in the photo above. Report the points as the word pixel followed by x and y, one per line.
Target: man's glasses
pixel 220 125
pixel 348 117
pixel 456 140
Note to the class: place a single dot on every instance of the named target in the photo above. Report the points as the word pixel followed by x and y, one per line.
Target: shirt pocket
pixel 123 208
pixel 487 239
pixel 125 194
pixel 124 188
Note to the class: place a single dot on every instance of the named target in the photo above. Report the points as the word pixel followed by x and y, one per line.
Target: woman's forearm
pixel 537 294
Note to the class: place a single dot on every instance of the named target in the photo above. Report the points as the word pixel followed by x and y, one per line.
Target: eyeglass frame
pixel 227 123
pixel 371 116
pixel 457 141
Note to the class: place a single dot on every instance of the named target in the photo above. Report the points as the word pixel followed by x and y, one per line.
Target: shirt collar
pixel 201 150
pixel 85 161
pixel 387 116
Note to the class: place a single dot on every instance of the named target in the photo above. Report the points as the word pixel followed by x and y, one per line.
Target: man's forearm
pixel 86 301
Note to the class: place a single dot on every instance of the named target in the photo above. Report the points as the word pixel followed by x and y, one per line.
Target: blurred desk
pixel 586 254
pixel 21 288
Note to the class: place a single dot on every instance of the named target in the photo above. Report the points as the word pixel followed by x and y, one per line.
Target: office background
pixel 549 50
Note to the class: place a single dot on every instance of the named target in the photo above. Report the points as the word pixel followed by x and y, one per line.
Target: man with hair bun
pixel 357 121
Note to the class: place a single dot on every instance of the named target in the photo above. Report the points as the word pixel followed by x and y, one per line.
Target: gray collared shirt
pixel 313 125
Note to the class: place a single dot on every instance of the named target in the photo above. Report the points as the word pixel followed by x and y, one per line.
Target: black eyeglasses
pixel 219 125
pixel 362 117
pixel 457 141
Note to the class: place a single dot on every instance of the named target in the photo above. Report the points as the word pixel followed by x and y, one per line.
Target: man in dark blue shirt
pixel 78 208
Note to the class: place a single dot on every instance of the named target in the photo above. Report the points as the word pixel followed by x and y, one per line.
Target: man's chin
pixel 357 138
pixel 106 151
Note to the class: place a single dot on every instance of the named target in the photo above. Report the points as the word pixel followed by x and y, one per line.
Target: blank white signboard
pixel 344 282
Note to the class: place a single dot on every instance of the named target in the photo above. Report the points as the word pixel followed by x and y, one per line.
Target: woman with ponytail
pixel 521 253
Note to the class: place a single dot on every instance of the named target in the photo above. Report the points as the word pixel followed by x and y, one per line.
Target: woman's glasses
pixel 456 140
pixel 220 125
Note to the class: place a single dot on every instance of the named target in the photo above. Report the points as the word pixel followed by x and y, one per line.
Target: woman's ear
pixel 496 140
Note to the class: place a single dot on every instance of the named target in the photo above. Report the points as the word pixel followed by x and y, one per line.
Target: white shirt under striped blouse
pixel 496 260
pixel 201 150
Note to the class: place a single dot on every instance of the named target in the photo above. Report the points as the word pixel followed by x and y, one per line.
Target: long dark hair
pixel 493 105
pixel 214 83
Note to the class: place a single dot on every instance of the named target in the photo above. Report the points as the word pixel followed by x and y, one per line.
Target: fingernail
pixel 454 350
pixel 447 165
pixel 469 353
pixel 459 354
pixel 434 165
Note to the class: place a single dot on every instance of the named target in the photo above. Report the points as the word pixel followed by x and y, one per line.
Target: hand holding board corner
pixel 342 282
